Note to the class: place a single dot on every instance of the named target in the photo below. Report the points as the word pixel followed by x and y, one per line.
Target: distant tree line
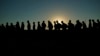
pixel 79 26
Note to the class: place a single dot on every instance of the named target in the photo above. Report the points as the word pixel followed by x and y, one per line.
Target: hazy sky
pixel 39 10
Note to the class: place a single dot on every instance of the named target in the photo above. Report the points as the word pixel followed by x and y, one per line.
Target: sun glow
pixel 59 19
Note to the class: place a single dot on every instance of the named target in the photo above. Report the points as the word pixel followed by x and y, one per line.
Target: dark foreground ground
pixel 50 43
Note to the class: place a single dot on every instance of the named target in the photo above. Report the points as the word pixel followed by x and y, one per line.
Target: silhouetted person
pixel 94 25
pixel 22 26
pixel 50 25
pixel 78 25
pixel 39 26
pixel 33 25
pixel 17 26
pixel 64 25
pixel 84 26
pixel 43 25
pixel 70 26
pixel 58 25
pixel 55 25
pixel 28 25
pixel 98 24
pixel 12 28
pixel 90 25
pixel 2 27
pixel 7 26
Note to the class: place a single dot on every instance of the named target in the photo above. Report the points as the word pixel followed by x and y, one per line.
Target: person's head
pixel 43 21
pixel 62 22
pixel 69 21
pixel 83 22
pixel 2 24
pixel 11 24
pixel 27 21
pixel 33 22
pixel 17 22
pixel 54 22
pixel 7 23
pixel 92 20
pixel 77 21
pixel 22 22
pixel 98 20
pixel 48 21
pixel 57 21
pixel 38 22
pixel 89 20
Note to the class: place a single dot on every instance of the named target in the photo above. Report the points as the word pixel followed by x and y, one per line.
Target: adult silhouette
pixel 28 25
pixel 50 25
pixel 55 25
pixel 33 25
pixel 90 25
pixel 2 27
pixel 7 26
pixel 78 25
pixel 17 26
pixel 39 26
pixel 12 27
pixel 64 25
pixel 98 24
pixel 84 27
pixel 58 25
pixel 43 25
pixel 94 25
pixel 70 26
pixel 22 26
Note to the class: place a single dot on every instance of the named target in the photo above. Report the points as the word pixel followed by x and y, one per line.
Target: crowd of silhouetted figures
pixel 93 25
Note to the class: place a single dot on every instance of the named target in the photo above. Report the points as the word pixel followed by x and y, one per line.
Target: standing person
pixel 78 25
pixel 22 26
pixel 70 26
pixel 2 27
pixel 7 26
pixel 55 25
pixel 50 25
pixel 33 25
pixel 98 24
pixel 94 25
pixel 12 27
pixel 43 25
pixel 90 25
pixel 58 25
pixel 64 26
pixel 84 27
pixel 39 26
pixel 17 26
pixel 28 25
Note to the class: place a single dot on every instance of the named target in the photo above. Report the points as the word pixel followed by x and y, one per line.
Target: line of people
pixel 79 26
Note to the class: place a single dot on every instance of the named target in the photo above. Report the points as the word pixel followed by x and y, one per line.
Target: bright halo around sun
pixel 59 19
